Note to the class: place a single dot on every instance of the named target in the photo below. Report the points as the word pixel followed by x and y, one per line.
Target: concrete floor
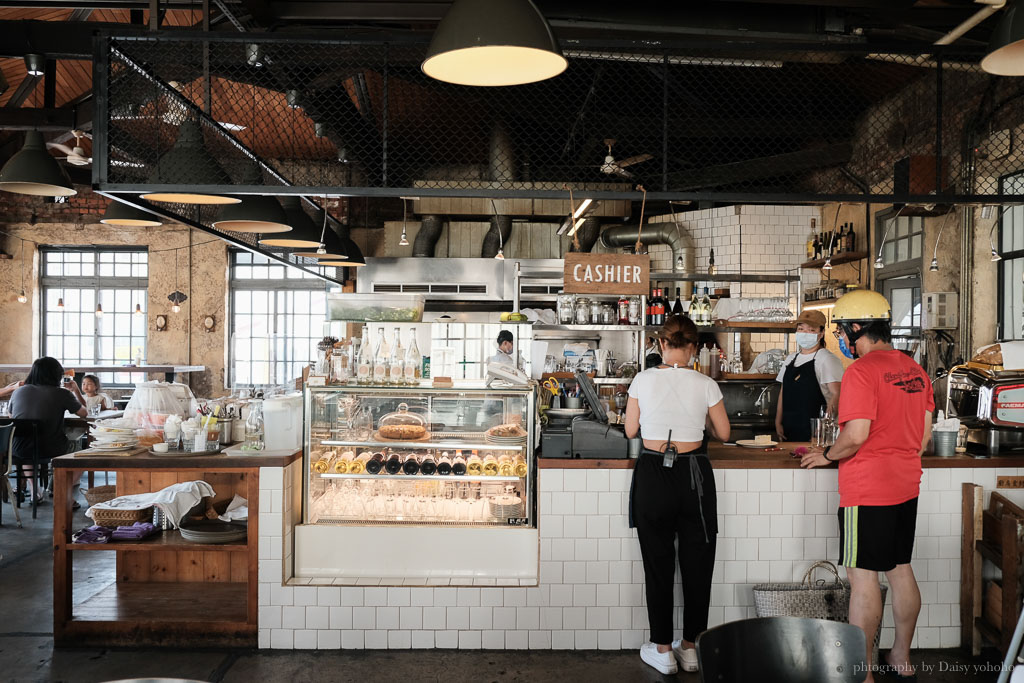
pixel 27 652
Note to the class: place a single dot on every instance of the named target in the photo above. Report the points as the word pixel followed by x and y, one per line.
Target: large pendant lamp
pixel 255 212
pixel 304 234
pixel 188 163
pixel 1006 46
pixel 493 42
pixel 355 254
pixel 33 171
pixel 119 213
pixel 334 248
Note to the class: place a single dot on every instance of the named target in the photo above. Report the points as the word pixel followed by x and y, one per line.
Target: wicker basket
pixel 117 517
pixel 100 494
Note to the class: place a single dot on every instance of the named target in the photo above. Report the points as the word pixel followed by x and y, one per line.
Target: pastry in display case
pixel 410 482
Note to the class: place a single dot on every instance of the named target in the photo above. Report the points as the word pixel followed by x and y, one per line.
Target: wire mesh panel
pixel 740 124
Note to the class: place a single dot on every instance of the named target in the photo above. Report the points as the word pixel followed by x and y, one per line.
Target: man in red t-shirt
pixel 885 410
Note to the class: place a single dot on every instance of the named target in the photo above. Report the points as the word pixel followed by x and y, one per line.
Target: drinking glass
pixel 816 431
pixel 4 407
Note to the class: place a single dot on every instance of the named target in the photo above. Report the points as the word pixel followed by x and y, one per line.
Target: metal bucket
pixel 944 444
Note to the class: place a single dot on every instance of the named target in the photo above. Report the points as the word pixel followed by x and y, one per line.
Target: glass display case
pixel 412 456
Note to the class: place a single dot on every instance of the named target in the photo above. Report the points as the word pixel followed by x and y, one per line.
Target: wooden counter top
pixel 739 458
pixel 147 461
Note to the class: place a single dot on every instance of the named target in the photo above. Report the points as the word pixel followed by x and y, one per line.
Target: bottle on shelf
pixel 694 309
pixel 427 464
pixel 413 361
pixel 396 361
pixel 659 307
pixel 705 308
pixel 458 464
pixel 622 309
pixel 364 366
pixel 343 463
pixel 711 263
pixel 704 358
pixel 812 241
pixel 380 359
pixel 715 371
pixel 411 464
pixel 358 464
pixel 444 464
pixel 851 239
pixel 677 305
pixel 490 466
pixel 506 465
pixel 474 465
pixel 393 463
pixel 323 463
pixel 375 463
pixel 254 434
pixel 519 467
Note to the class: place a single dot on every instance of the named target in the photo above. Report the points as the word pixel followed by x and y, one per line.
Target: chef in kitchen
pixel 810 380
pixel 505 356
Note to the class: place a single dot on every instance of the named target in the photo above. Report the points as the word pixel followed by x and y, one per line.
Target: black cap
pixel 504 336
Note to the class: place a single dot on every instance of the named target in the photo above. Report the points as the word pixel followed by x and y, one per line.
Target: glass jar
pixel 608 315
pixel 566 309
pixel 595 312
pixel 634 310
pixel 623 310
pixel 254 434
pixel 582 311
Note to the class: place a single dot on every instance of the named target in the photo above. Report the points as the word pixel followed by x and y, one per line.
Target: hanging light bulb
pixel 500 255
pixel 60 303
pixel 404 241
pixel 827 266
pixel 138 309
pixel 879 263
pixel 22 298
pixel 176 308
pixel 99 310
pixel 995 256
pixel 934 267
pixel 177 298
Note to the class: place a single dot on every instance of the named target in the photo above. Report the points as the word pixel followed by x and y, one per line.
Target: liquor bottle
pixel 396 362
pixel 342 464
pixel 444 464
pixel 851 239
pixel 817 247
pixel 393 464
pixel 358 464
pixel 323 463
pixel 705 308
pixel 647 313
pixel 677 305
pixel 812 241
pixel 474 465
pixel 375 463
pixel 694 309
pixel 458 464
pixel 411 464
pixel 413 362
pixel 364 363
pixel 519 467
pixel 658 308
pixel 490 466
pixel 506 466
pixel 427 464
pixel 711 263
pixel 380 359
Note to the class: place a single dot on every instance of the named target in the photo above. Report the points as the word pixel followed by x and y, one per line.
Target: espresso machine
pixel 989 401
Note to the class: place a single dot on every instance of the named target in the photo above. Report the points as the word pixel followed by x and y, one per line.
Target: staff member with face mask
pixel 810 380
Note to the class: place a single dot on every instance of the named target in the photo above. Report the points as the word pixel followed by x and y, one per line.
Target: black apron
pixel 802 400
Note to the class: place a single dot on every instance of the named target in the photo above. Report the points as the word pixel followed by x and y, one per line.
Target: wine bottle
pixel 380 359
pixel 711 263
pixel 490 466
pixel 458 464
pixel 413 362
pixel 677 305
pixel 474 465
pixel 812 241
pixel 694 310
pixel 323 463
pixel 411 464
pixel 444 464
pixel 375 463
pixel 851 239
pixel 506 466
pixel 705 308
pixel 519 466
pixel 396 362
pixel 427 464
pixel 393 464
pixel 342 462
pixel 358 464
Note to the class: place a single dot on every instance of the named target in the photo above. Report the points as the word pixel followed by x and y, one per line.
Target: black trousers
pixel 666 507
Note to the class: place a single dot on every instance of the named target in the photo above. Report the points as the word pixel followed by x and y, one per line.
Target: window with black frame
pixel 94 308
pixel 899 279
pixel 1011 267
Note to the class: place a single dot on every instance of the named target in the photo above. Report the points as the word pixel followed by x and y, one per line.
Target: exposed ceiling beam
pixel 96 4
pixel 55 39
pixel 24 89
pixel 23 118
pixel 760 168
pixel 80 14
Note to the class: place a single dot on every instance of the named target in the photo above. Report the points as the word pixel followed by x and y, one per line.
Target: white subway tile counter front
pixel 775 520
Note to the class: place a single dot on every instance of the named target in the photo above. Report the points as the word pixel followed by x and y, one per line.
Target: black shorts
pixel 877 537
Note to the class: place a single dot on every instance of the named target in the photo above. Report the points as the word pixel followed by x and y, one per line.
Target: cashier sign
pixel 606 273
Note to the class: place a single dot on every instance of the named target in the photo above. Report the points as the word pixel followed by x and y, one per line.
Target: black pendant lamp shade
pixel 33 171
pixel 305 233
pixel 1005 55
pixel 493 42
pixel 119 213
pixel 188 163
pixel 255 212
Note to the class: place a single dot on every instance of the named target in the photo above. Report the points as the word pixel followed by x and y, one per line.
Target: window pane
pixel 901 226
pixel 902 250
pixel 915 246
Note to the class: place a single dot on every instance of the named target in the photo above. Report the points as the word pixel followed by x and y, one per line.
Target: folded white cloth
pixel 237 511
pixel 174 501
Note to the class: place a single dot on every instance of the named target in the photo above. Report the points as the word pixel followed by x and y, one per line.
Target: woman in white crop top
pixel 673 493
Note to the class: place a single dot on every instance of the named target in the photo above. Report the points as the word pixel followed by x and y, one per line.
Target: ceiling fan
pixel 76 155
pixel 613 167
pixel 174 114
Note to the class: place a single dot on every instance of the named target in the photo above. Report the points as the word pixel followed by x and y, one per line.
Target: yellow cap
pixel 861 304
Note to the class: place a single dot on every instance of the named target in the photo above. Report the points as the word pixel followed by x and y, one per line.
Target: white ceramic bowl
pixel 160 447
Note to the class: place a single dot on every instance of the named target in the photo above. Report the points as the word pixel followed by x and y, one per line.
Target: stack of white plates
pixel 504 507
pixel 504 440
pixel 113 442
pixel 214 531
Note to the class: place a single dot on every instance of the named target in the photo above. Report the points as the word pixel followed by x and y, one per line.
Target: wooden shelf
pixel 200 603
pixel 837 259
pixel 819 303
pixel 168 540
pixel 724 277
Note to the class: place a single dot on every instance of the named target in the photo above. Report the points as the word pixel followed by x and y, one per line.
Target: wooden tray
pixel 184 454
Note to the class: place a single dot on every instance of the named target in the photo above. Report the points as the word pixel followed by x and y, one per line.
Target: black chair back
pixel 777 649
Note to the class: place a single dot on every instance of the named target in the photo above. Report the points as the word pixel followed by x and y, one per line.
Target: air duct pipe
pixel 492 241
pixel 684 252
pixel 502 169
pixel 429 233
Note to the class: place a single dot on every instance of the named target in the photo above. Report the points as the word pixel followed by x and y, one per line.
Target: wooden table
pixel 167 591
pixel 170 371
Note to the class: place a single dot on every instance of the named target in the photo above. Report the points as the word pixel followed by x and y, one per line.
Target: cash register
pixel 589 435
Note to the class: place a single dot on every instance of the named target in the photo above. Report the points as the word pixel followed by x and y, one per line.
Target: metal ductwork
pixel 492 242
pixel 429 233
pixel 587 235
pixel 684 252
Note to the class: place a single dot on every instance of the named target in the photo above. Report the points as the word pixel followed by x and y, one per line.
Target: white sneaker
pixel 687 656
pixel 662 661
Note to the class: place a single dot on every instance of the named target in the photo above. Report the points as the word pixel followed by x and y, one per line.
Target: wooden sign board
pixel 1009 482
pixel 607 273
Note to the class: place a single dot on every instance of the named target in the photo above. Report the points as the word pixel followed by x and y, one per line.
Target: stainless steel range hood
pixel 470 280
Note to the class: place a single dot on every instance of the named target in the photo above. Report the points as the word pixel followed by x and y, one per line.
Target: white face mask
pixel 806 340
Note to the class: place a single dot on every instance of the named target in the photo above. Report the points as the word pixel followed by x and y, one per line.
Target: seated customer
pixel 42 398
pixel 6 392
pixel 93 397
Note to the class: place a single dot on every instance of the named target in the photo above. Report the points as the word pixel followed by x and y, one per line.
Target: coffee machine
pixel 989 401
pixel 590 435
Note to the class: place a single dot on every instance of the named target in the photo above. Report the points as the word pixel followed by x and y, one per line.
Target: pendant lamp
pixel 1005 55
pixel 334 248
pixel 304 234
pixel 491 43
pixel 188 164
pixel 33 171
pixel 255 212
pixel 119 213
pixel 354 260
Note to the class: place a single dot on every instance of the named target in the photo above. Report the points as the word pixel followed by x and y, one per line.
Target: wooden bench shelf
pixel 168 540
pixel 160 602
